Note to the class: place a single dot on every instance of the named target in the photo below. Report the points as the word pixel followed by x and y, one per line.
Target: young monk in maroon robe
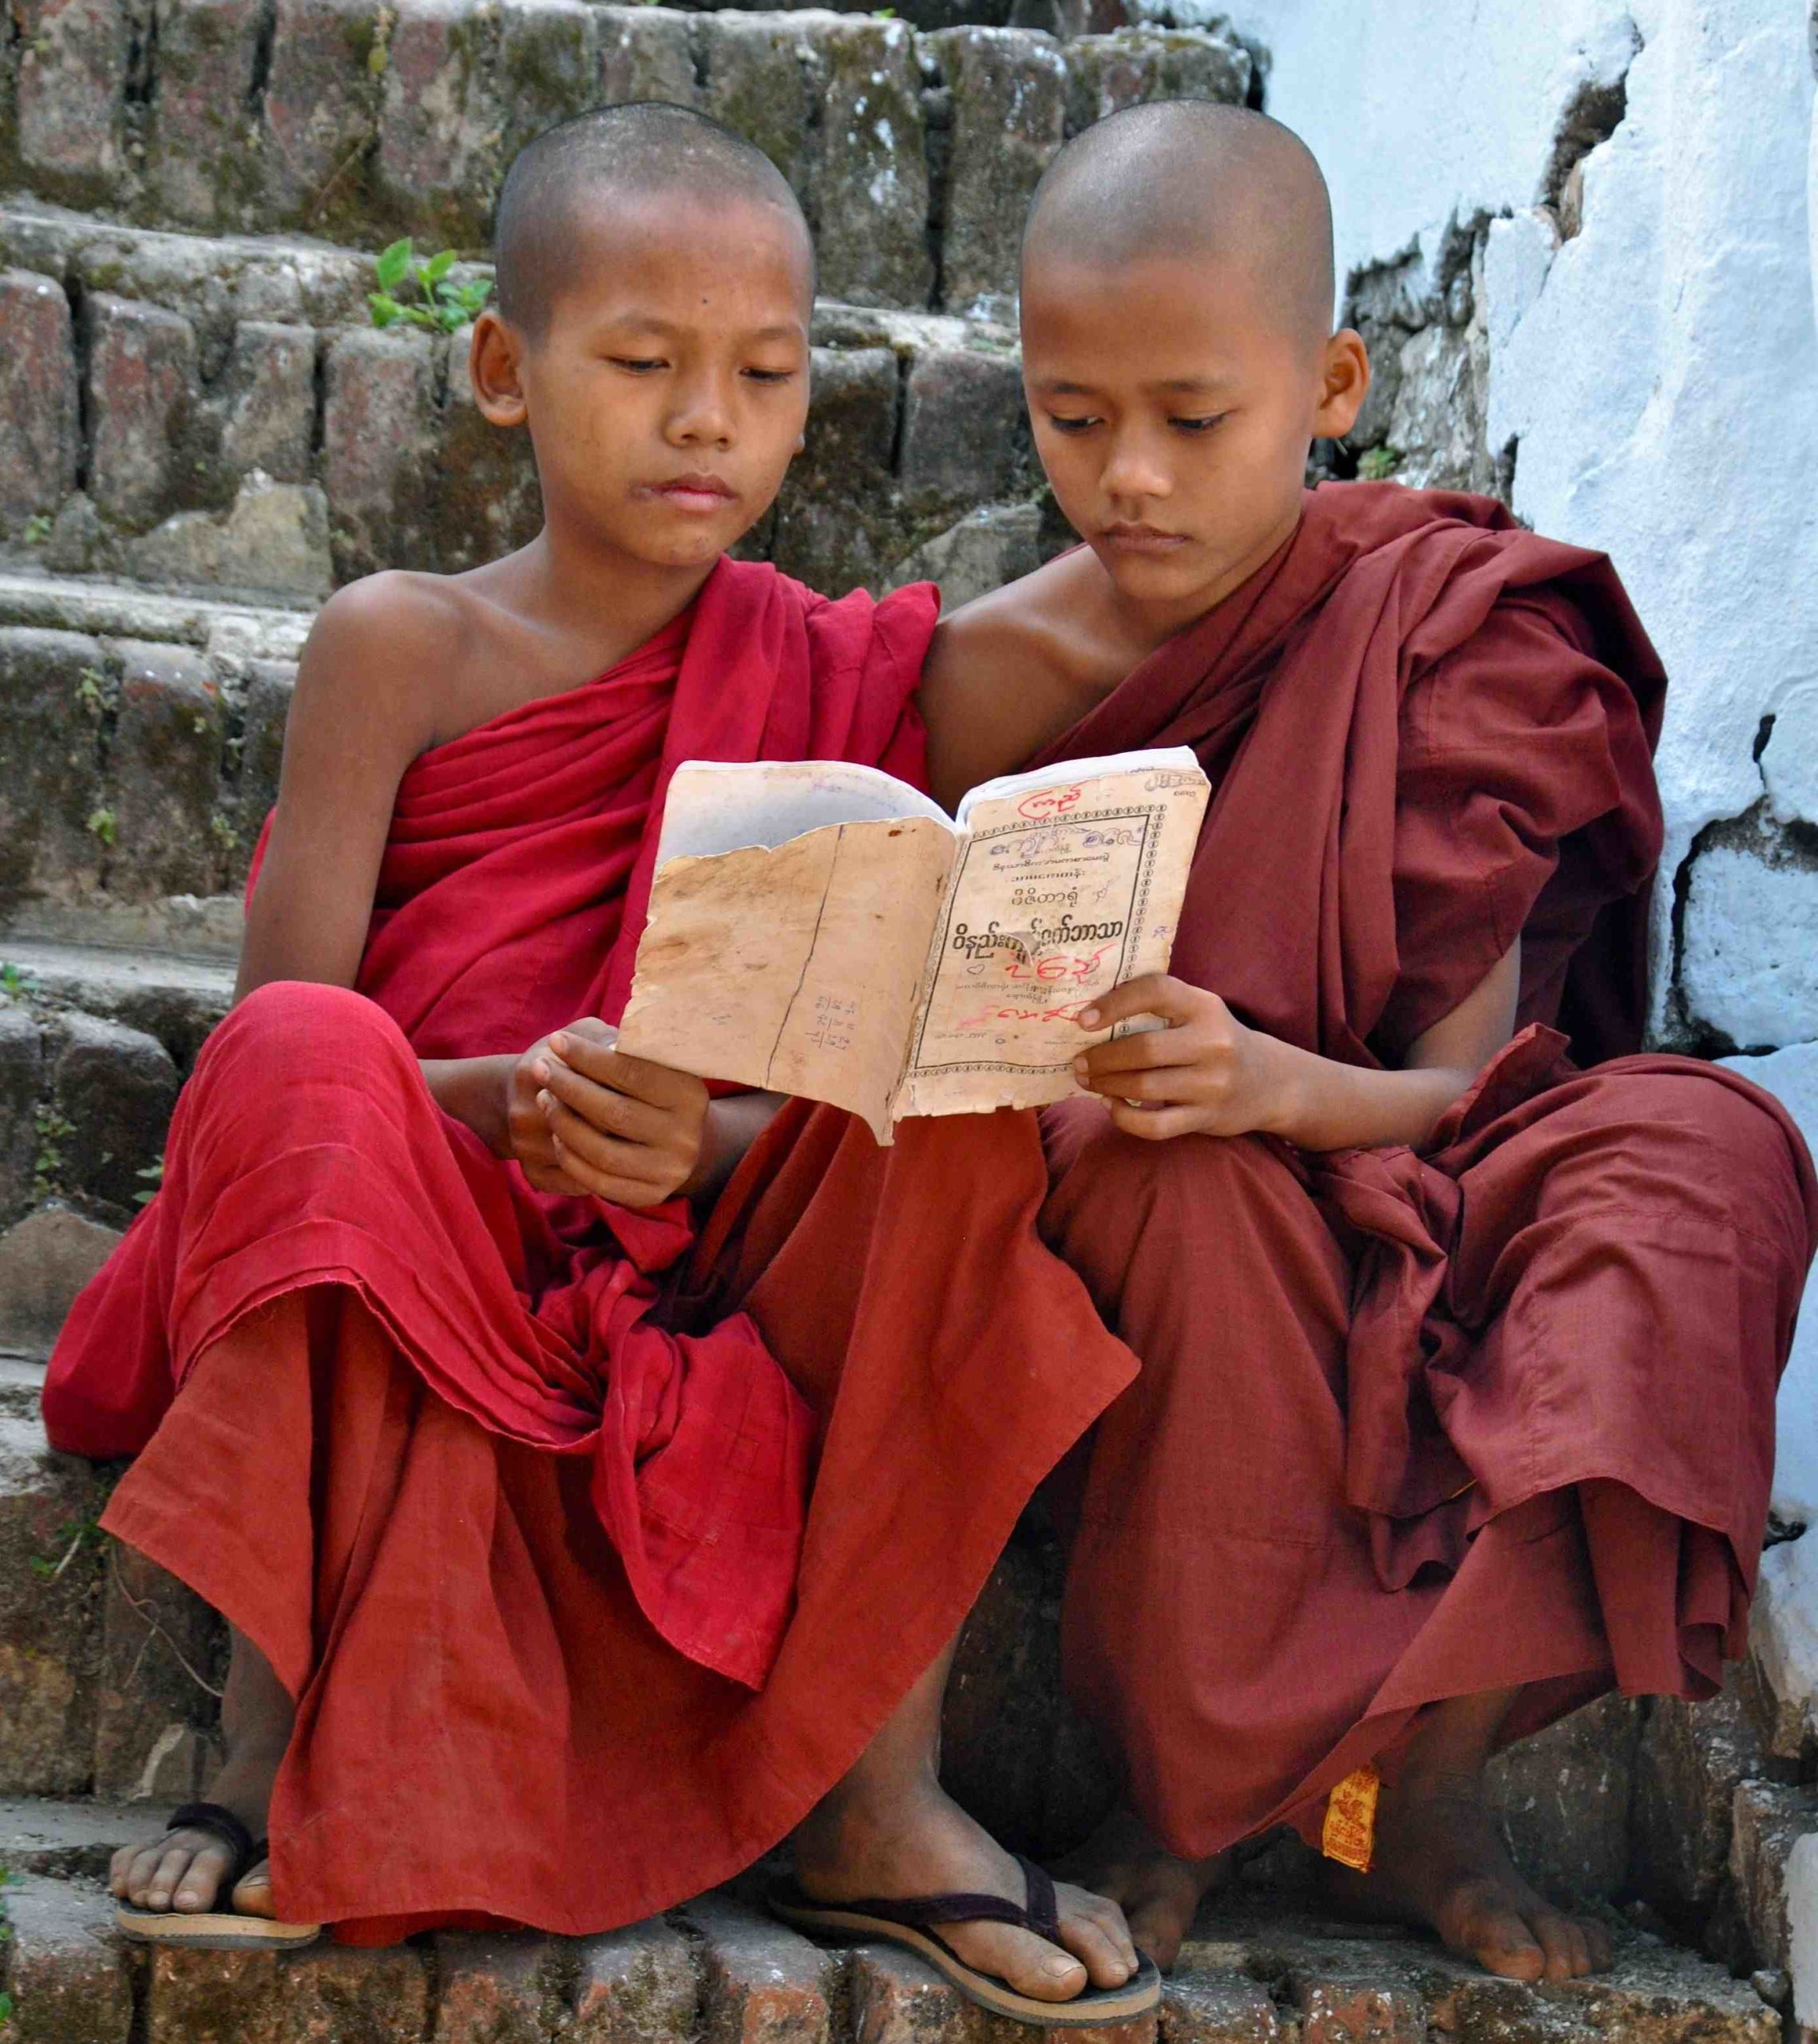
pixel 536 1614
pixel 1458 1346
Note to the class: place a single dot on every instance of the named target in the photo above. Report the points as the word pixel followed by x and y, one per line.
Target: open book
pixel 821 928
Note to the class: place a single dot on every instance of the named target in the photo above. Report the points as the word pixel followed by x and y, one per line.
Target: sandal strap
pixel 219 1822
pixel 1039 1913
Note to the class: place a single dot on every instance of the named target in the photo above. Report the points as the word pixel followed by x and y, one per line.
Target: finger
pixel 636 1076
pixel 604 1107
pixel 1135 1052
pixel 1153 1124
pixel 582 1149
pixel 1154 993
pixel 1169 1083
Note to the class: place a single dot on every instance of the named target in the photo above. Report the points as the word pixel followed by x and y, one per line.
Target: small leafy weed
pixel 442 305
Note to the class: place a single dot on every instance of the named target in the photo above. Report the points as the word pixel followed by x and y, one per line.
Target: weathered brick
pixel 1564 1798
pixel 871 195
pixel 67 1973
pixel 38 417
pixel 638 1986
pixel 645 53
pixel 142 376
pixel 45 1261
pixel 268 418
pixel 378 429
pixel 1221 2006
pixel 71 97
pixel 497 1989
pixel 51 781
pixel 323 1994
pixel 1107 72
pixel 764 1985
pixel 897 1999
pixel 113 1088
pixel 842 482
pixel 322 108
pixel 438 141
pixel 157 1705
pixel 200 162
pixel 962 421
pixel 21 1071
pixel 166 765
pixel 50 1581
pixel 547 67
pixel 1008 88
pixel 1337 2009
pixel 762 82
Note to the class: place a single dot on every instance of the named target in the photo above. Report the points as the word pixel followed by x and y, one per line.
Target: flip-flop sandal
pixel 911 1924
pixel 222 1930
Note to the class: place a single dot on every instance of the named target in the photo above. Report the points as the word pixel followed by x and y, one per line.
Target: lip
pixel 1141 539
pixel 698 493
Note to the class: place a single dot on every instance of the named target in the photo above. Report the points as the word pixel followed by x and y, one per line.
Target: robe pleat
pixel 588 1584
pixel 1496 1415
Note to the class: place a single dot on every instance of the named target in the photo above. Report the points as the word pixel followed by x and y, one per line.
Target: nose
pixel 701 415
pixel 1135 469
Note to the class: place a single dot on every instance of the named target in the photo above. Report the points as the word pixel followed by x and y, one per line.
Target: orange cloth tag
pixel 1350 1833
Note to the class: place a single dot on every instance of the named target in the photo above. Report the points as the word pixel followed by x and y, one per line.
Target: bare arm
pixel 1206 1071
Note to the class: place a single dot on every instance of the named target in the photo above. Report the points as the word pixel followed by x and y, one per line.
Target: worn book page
pixel 1064 890
pixel 794 969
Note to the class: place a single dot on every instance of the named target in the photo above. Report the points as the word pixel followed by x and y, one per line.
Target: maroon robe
pixel 1498 1414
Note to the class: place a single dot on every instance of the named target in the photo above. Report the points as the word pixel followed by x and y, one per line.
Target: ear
pixel 494 367
pixel 1345 382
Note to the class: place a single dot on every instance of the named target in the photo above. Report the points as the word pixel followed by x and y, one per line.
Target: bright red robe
pixel 531 1539
pixel 1411 1426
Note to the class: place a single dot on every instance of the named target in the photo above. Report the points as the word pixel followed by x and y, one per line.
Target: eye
pixel 1199 425
pixel 637 365
pixel 1068 424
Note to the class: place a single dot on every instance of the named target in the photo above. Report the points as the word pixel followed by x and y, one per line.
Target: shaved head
pixel 1195 180
pixel 607 159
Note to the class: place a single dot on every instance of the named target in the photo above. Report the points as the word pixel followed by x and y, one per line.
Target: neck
pixel 1148 625
pixel 600 596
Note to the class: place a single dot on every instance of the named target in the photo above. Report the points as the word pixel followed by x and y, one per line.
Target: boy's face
pixel 668 390
pixel 1173 408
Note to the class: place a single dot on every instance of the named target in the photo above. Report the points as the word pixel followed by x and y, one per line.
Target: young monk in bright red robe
pixel 553 1602
pixel 1459 1345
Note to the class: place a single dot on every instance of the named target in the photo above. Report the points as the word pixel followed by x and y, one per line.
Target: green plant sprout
pixel 445 305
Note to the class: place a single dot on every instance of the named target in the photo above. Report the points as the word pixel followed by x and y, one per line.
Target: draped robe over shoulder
pixel 572 1634
pixel 1417 1425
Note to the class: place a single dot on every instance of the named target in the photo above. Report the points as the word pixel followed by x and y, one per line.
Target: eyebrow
pixel 1174 386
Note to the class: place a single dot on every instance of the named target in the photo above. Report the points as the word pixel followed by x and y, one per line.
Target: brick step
pixel 220 415
pixel 365 120
pixel 720 1971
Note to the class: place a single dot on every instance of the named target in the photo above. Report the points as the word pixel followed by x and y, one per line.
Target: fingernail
pixel 1089 1019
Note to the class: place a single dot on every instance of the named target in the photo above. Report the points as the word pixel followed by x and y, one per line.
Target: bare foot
pixel 912 1839
pixel 182 1870
pixel 1158 1894
pixel 1440 1860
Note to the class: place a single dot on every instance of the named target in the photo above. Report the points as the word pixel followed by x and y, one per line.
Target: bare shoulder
pixel 380 652
pixel 1006 673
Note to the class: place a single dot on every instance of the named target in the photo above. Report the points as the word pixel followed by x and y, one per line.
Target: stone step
pixel 718 1972
pixel 365 120
pixel 220 415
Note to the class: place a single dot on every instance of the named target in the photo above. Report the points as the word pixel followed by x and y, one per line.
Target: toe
pixel 1483 1924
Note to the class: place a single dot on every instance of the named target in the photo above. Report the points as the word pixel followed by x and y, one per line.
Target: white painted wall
pixel 1660 374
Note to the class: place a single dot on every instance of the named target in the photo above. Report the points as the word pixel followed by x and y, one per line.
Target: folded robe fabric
pixel 510 901
pixel 1343 1486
